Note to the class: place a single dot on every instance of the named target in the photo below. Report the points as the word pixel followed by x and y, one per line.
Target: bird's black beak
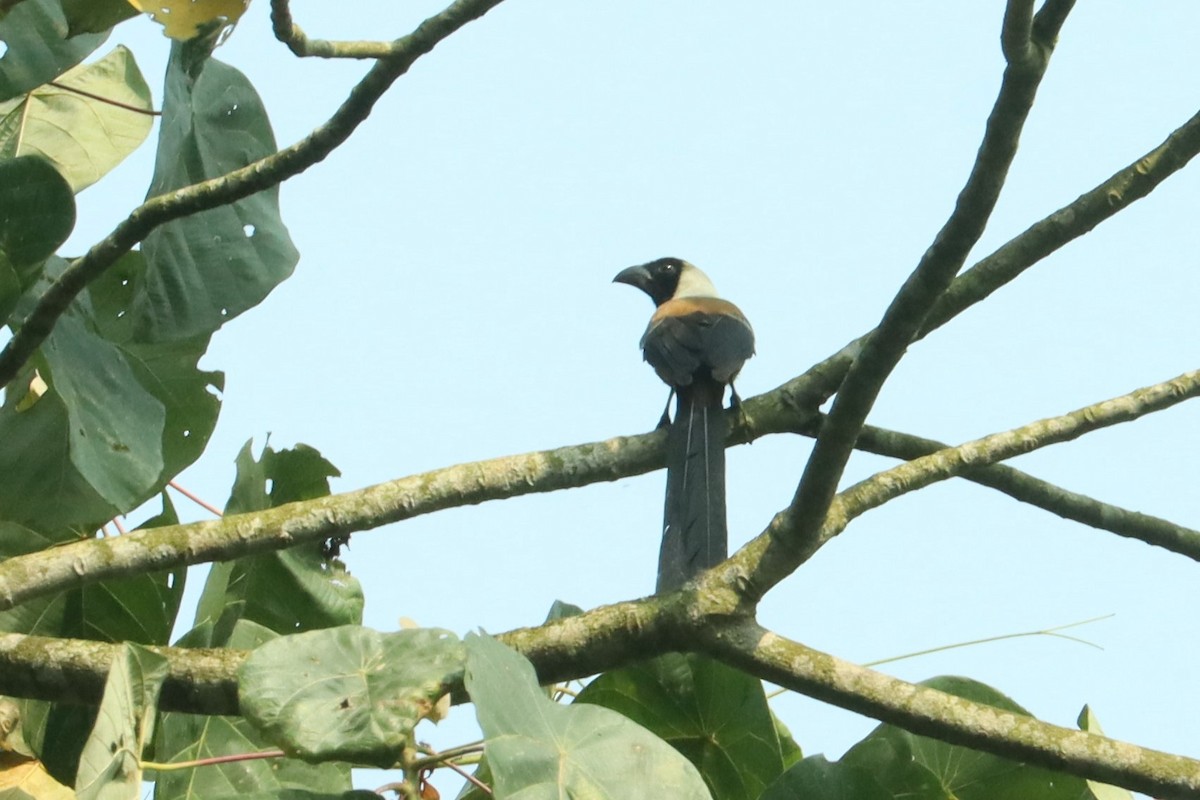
pixel 638 277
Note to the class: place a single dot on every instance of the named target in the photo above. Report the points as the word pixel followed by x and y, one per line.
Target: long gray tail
pixel 695 536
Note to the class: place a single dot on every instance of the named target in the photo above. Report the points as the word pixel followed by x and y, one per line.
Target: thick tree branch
pixel 205 682
pixel 294 37
pixel 262 174
pixel 26 577
pixel 742 570
pixel 760 652
pixel 794 532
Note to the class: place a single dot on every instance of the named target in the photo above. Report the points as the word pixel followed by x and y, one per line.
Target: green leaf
pixel 37 210
pixel 168 370
pixel 39 49
pixel 290 590
pixel 348 693
pixel 814 778
pixel 109 768
pixel 891 762
pixel 41 488
pixel 963 773
pixel 44 486
pixel 68 125
pixel 207 268
pixel 561 610
pixel 139 609
pixel 1088 722
pixel 189 737
pixel 95 16
pixel 10 288
pixel 713 714
pixel 115 425
pixel 538 749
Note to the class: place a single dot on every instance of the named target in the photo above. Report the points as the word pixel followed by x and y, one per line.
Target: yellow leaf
pixel 185 19
pixel 30 777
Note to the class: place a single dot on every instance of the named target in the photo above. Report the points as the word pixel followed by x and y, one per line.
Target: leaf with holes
pixel 115 426
pixel 189 737
pixel 185 19
pixel 207 268
pixel 86 123
pixel 349 693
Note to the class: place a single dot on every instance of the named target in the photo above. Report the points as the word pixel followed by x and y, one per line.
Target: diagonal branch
pixel 793 532
pixel 767 655
pixel 805 392
pixel 758 556
pixel 1042 494
pixel 262 174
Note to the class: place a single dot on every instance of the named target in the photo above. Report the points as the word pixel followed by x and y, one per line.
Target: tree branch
pixel 23 578
pixel 746 645
pixel 205 682
pixel 262 174
pixel 1042 494
pixel 795 531
pixel 760 555
pixel 294 37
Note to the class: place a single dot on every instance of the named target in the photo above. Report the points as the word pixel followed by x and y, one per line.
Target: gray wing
pixel 679 348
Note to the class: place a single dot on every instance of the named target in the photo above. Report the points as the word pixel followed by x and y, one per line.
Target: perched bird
pixel 697 343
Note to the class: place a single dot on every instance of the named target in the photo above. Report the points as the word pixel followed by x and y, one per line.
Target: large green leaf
pixel 207 268
pixel 814 778
pixel 348 693
pixel 292 590
pixel 115 425
pixel 713 714
pixel 39 49
pixel 139 609
pixel 50 467
pixel 42 489
pixel 962 773
pixel 189 737
pixel 110 768
pixel 86 123
pixel 538 749
pixel 168 370
pixel 37 211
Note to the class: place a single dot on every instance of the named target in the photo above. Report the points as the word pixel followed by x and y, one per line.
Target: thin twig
pixel 291 34
pixel 197 500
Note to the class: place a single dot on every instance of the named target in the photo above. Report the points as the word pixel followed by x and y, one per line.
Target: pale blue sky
pixel 453 302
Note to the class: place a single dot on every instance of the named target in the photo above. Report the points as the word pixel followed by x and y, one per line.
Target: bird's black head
pixel 658 278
